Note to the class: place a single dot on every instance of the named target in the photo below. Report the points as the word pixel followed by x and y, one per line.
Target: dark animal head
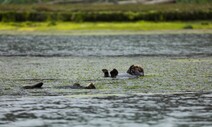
pixel 114 73
pixel 136 70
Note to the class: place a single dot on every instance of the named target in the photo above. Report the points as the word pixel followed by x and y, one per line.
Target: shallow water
pixel 176 90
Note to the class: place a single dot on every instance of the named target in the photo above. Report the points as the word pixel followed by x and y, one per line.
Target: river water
pixel 160 110
pixel 114 45
pixel 176 90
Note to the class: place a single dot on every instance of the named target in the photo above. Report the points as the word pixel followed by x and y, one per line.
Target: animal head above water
pixel 136 70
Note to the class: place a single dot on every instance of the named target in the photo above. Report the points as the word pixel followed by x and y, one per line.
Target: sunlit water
pixel 175 91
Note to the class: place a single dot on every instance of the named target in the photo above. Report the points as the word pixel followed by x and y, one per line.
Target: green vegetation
pixel 163 74
pixel 193 1
pixel 105 13
pixel 135 26
pixel 21 1
pixel 91 1
pixel 43 17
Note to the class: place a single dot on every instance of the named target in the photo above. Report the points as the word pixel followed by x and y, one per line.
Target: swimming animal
pixel 36 86
pixel 75 86
pixel 78 86
pixel 136 70
pixel 133 72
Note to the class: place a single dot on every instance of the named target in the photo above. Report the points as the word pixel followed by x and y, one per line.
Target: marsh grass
pixel 105 13
pixel 104 8
pixel 135 26
pixel 105 17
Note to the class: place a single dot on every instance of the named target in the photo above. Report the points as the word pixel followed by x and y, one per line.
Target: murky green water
pixel 175 91
pixel 162 74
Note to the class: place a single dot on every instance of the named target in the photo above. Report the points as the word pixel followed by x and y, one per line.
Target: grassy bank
pixel 105 13
pixel 87 1
pixel 132 26
pixel 105 17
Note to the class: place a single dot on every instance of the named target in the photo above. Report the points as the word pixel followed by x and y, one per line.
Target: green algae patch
pixel 162 75
pixel 93 26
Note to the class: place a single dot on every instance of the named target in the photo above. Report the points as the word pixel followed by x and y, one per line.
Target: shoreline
pixel 105 28
pixel 105 32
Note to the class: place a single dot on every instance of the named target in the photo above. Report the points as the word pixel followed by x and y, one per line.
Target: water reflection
pixel 182 109
pixel 116 45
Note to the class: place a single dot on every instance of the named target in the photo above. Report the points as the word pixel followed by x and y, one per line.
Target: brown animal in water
pixel 132 72
pixel 78 86
pixel 136 70
pixel 75 86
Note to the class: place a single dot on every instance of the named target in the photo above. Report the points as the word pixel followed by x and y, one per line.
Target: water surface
pixel 159 110
pixel 175 91
pixel 115 45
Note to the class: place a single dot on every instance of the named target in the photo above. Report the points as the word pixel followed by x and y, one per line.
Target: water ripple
pixel 182 109
pixel 116 45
